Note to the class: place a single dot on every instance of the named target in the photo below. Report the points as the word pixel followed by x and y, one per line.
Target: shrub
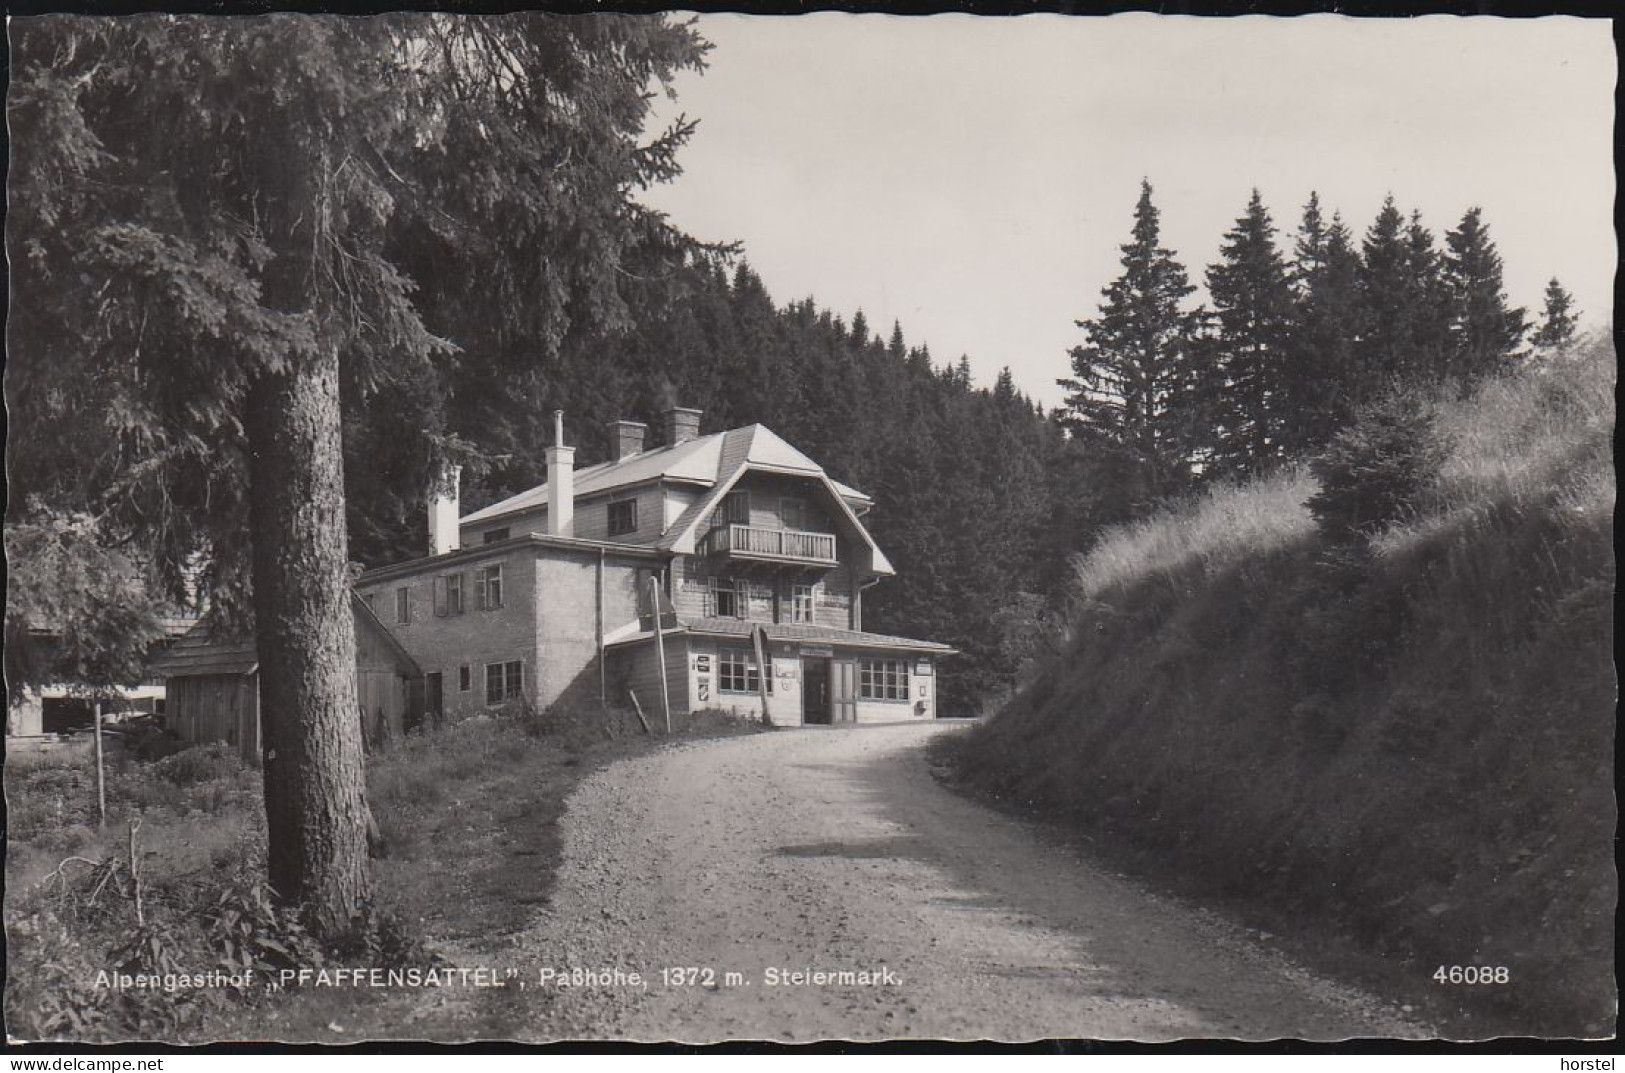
pixel 1374 472
pixel 199 764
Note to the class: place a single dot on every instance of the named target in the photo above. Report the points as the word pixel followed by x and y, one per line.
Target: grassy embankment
pixel 468 815
pixel 1405 751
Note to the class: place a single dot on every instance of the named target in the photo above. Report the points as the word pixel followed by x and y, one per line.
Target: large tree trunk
pixel 315 789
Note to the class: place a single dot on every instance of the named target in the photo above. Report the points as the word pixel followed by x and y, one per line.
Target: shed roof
pixel 198 652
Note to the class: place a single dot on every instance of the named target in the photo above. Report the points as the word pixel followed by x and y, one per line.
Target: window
pixel 494 535
pixel 736 508
pixel 623 517
pixel 403 605
pixel 736 671
pixel 488 586
pixel 504 681
pixel 722 601
pixel 448 594
pixel 465 678
pixel 803 601
pixel 883 679
pixel 792 513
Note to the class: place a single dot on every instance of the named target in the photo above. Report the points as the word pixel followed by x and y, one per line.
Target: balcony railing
pixel 787 545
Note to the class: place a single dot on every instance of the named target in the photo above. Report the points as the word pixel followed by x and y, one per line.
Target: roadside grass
pixel 470 821
pixel 1223 527
pixel 1403 747
pixel 468 815
pixel 71 913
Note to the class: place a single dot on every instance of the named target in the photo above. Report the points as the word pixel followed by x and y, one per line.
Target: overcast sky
pixel 974 177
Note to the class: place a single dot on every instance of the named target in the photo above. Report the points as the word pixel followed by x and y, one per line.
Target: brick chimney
pixel 561 482
pixel 626 438
pixel 443 510
pixel 682 424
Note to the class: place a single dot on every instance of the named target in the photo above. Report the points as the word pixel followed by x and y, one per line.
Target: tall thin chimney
pixel 561 482
pixel 626 438
pixel 682 424
pixel 443 510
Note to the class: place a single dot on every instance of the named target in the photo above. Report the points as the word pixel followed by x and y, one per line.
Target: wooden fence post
pixel 101 777
pixel 660 652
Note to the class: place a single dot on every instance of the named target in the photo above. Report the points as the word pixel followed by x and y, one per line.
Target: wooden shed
pixel 213 686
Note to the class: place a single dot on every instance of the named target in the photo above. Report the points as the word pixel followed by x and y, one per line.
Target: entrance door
pixel 845 705
pixel 434 698
pixel 814 690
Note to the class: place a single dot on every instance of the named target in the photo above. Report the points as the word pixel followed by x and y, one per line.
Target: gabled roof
pixel 756 447
pixel 705 460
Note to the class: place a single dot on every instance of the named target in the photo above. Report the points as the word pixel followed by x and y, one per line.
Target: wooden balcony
pixel 772 545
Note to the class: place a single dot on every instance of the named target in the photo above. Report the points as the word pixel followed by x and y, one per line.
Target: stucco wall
pixel 549 620
pixel 477 637
pixel 785 700
pixel 566 600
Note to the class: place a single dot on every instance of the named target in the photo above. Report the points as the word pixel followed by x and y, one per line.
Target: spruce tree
pixel 1386 301
pixel 1309 246
pixel 897 348
pixel 1484 331
pixel 1405 303
pixel 1428 314
pixel 237 202
pixel 1323 385
pixel 1004 388
pixel 1253 306
pixel 1133 389
pixel 1558 322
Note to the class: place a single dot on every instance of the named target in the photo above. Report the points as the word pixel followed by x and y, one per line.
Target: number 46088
pixel 1472 974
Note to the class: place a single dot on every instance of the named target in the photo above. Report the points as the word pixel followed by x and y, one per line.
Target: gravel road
pixel 834 850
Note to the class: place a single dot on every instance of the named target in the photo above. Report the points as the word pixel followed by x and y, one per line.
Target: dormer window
pixel 494 535
pixel 623 517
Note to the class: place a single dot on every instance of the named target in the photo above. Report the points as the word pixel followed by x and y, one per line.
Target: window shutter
pixel 440 597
